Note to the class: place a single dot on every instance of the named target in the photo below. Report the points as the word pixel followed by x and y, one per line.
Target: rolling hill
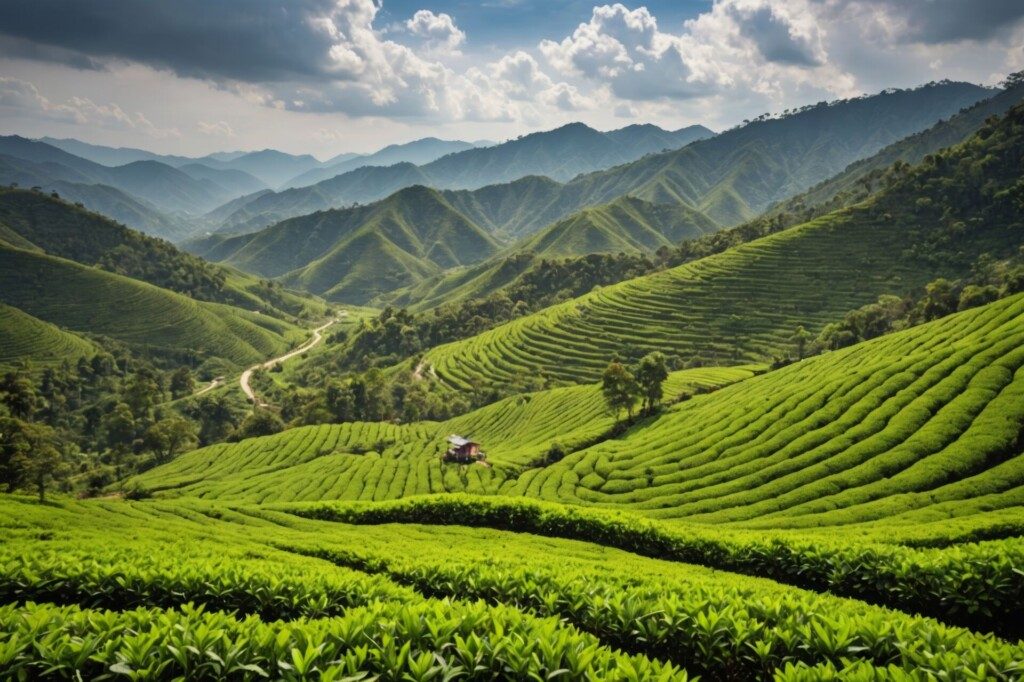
pixel 902 433
pixel 560 154
pixel 854 184
pixel 104 199
pixel 32 220
pixel 148 318
pixel 743 305
pixel 418 152
pixel 42 344
pixel 164 187
pixel 357 253
pixel 266 168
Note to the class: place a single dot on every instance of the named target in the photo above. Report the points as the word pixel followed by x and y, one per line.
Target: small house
pixel 463 450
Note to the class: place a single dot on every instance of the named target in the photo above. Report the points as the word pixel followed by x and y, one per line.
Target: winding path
pixel 247 374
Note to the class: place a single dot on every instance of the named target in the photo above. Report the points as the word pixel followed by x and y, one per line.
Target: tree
pixel 181 382
pixel 215 417
pixel 44 462
pixel 258 423
pixel 169 436
pixel 29 455
pixel 141 394
pixel 118 428
pixel 620 389
pixel 940 299
pixel 800 337
pixel 15 446
pixel 18 394
pixel 650 375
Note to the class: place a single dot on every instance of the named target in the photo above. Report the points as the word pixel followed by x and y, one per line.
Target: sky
pixel 330 76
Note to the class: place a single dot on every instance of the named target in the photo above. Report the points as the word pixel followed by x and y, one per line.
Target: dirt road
pixel 244 380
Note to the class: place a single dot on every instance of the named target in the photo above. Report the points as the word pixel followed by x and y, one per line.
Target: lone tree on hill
pixel 620 388
pixel 650 375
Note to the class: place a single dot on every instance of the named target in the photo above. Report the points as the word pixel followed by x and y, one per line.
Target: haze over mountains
pixel 560 154
pixel 652 202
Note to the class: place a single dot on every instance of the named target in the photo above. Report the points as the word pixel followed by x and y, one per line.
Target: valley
pixel 637 403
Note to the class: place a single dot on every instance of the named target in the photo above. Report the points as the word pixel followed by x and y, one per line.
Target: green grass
pixel 85 299
pixel 907 431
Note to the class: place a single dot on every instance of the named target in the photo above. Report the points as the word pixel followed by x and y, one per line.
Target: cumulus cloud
pixel 738 42
pixel 22 98
pixel 438 30
pixel 315 55
pixel 328 56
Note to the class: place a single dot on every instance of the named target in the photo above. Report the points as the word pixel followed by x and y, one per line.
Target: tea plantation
pixel 853 515
pixel 211 590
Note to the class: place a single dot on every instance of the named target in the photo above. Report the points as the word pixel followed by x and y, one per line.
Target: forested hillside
pixel 35 220
pixel 625 225
pixel 355 254
pixel 91 300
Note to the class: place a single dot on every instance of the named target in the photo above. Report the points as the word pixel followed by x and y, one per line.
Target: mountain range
pixel 562 154
pixel 640 206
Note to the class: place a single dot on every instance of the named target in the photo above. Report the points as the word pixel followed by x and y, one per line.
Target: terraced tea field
pixel 922 424
pixel 370 461
pixel 211 588
pixel 42 344
pixel 734 307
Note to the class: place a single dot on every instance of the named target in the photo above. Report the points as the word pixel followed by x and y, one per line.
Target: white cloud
pixel 216 128
pixel 736 59
pixel 438 30
pixel 23 98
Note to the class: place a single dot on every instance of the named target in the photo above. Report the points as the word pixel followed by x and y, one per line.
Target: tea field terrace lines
pixel 293 572
pixel 929 416
pixel 41 343
pixel 734 307
pixel 87 299
pixel 376 461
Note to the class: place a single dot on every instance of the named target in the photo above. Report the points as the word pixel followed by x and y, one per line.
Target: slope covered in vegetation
pixel 357 253
pixel 729 177
pixel 26 338
pixel 621 226
pixel 287 597
pixel 32 220
pixel 934 220
pixel 91 300
pixel 374 461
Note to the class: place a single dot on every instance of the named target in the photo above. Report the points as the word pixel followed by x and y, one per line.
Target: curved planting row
pixel 144 315
pixel 976 585
pixel 379 461
pixel 717 629
pixel 737 306
pixel 257 561
pixel 917 421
